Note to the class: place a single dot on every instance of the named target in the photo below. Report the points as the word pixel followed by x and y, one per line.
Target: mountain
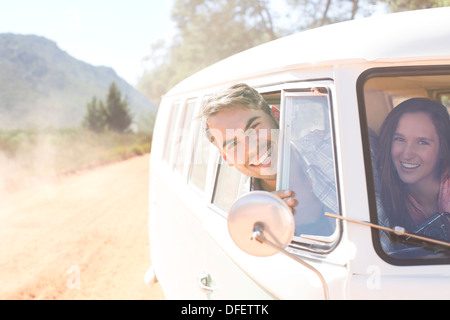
pixel 42 86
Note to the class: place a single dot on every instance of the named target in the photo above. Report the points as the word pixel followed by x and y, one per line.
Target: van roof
pixel 406 35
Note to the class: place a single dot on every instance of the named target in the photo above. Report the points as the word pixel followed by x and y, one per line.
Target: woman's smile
pixel 409 165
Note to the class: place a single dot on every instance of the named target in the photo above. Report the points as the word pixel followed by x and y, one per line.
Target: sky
pixel 112 33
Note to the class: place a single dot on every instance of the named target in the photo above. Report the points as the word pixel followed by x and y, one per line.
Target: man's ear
pixel 275 112
pixel 224 156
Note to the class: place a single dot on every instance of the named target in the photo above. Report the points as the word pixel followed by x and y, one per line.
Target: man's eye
pixel 233 144
pixel 255 125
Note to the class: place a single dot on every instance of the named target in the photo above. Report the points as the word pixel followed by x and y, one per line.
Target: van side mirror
pixel 260 214
pixel 261 224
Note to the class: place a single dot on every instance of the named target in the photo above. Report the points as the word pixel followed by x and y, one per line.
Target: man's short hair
pixel 238 95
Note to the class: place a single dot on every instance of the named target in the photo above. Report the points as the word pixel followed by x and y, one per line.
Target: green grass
pixel 27 154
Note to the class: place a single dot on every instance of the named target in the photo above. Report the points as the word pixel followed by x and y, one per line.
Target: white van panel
pixel 186 250
pixel 379 286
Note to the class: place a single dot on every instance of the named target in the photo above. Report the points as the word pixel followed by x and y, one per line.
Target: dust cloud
pixel 30 164
pixel 81 236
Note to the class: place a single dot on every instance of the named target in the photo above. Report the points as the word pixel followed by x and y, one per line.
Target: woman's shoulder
pixel 444 194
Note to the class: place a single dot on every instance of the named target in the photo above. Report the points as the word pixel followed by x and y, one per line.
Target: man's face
pixel 247 139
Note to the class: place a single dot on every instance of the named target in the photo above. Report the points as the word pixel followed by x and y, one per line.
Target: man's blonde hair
pixel 238 95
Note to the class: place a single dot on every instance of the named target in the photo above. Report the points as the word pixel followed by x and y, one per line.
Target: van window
pixel 381 90
pixel 170 133
pixel 230 184
pixel 199 159
pixel 309 167
pixel 182 136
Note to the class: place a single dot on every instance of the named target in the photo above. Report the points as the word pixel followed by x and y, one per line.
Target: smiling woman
pixel 413 157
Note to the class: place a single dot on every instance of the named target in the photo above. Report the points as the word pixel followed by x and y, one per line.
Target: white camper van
pixel 342 79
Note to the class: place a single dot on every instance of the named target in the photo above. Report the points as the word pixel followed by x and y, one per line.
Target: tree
pixel 207 31
pixel 210 30
pixel 117 112
pixel 113 116
pixel 95 119
pixel 316 13
pixel 404 5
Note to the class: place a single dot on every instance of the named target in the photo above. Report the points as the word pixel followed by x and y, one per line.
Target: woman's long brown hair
pixel 393 191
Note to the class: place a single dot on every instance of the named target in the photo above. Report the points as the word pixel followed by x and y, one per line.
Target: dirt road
pixel 82 236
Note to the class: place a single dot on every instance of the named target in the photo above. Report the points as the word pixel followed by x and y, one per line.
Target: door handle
pixel 206 283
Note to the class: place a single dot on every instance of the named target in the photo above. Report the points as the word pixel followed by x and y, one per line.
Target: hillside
pixel 41 85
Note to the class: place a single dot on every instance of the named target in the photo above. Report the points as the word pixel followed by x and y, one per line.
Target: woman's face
pixel 415 149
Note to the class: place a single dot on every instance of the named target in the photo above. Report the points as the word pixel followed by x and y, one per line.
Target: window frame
pixel 377 72
pixel 183 134
pixel 310 89
pixel 197 137
pixel 172 120
pixel 309 246
pixel 218 174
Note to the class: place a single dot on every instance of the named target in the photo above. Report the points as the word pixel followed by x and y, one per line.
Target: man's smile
pixel 264 160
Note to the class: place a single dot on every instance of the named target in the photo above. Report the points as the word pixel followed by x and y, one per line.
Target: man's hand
pixel 287 196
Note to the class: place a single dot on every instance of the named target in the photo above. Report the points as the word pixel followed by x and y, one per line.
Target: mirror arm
pixel 400 231
pixel 258 235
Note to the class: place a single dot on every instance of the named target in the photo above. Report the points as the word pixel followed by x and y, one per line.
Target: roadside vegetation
pixel 71 149
pixel 30 154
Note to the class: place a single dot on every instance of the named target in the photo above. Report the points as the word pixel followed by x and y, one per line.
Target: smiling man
pixel 244 128
pixel 244 139
pixel 240 123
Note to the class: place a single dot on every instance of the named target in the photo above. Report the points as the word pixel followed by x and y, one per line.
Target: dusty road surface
pixel 82 236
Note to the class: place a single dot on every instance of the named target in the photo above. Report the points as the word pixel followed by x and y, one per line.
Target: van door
pixel 400 267
pixel 188 188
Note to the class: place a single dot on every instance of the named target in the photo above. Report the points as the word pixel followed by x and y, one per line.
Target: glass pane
pixel 311 165
pixel 394 198
pixel 199 162
pixel 230 184
pixel 183 135
pixel 170 134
